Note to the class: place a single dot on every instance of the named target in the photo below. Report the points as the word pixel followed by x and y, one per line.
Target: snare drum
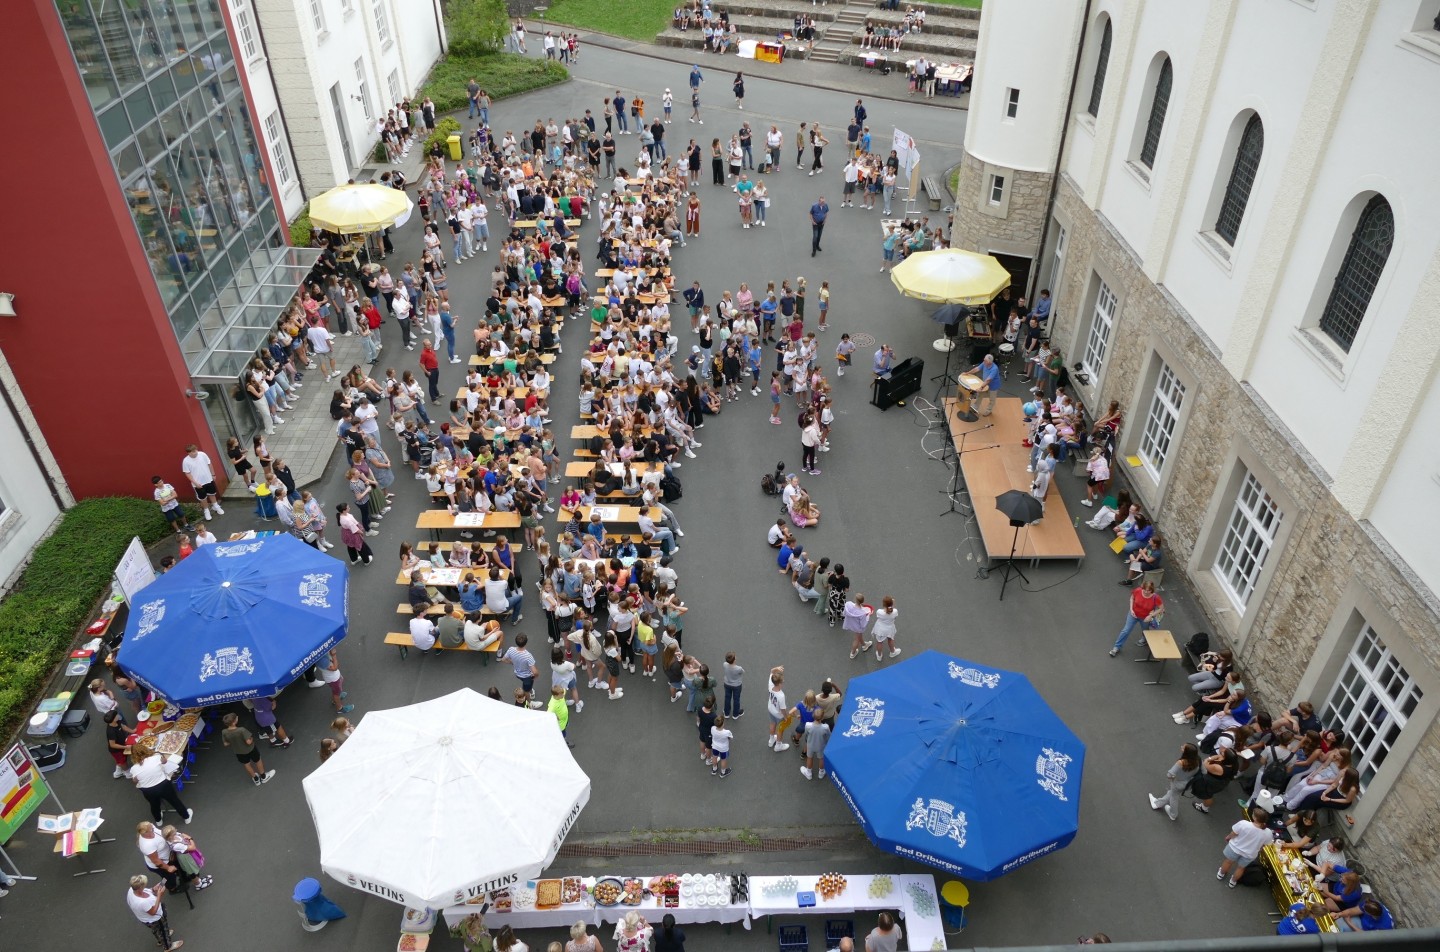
pixel 1007 349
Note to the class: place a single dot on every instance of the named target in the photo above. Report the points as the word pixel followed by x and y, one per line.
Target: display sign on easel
pixel 135 570
pixel 22 788
pixel 909 156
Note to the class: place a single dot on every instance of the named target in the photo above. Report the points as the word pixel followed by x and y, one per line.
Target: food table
pixel 522 908
pixel 1292 881
pixel 701 897
pixel 911 894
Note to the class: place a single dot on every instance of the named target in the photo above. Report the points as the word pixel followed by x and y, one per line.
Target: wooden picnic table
pixel 437 520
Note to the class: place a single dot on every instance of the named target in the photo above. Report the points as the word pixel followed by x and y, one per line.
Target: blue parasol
pixel 957 765
pixel 235 620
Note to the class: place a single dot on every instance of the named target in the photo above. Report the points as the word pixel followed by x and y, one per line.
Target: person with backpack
pixel 1276 759
pixel 1178 776
pixel 1242 845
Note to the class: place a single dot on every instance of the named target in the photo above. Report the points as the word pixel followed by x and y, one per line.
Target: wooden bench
pixel 930 185
pixel 428 546
pixel 527 224
pixel 404 641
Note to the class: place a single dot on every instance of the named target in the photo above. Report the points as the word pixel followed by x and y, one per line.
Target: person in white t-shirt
pixel 198 469
pixel 720 736
pixel 320 339
pixel 148 906
pixel 422 632
pixel 1243 843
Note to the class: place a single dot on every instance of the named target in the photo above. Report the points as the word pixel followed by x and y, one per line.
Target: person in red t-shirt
pixel 1145 606
pixel 430 361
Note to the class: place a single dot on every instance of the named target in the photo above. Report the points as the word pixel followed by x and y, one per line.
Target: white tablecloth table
pixel 594 916
pixel 920 931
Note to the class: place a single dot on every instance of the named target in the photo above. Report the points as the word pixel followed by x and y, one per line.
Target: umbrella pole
pixel 1010 565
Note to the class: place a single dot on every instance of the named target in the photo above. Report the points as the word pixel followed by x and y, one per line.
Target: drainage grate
pixel 862 340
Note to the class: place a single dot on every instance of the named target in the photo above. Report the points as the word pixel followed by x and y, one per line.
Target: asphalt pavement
pixel 1129 871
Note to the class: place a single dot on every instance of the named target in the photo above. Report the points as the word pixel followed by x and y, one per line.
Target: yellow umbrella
pixel 949 276
pixel 352 209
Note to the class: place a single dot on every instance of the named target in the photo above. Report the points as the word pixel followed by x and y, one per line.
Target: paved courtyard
pixel 1129 871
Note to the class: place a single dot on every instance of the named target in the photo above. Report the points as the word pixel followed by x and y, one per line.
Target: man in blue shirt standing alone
pixel 991 375
pixel 818 211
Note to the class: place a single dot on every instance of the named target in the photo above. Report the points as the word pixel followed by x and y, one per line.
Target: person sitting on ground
pixel 778 533
pixel 1146 559
pixel 1300 719
pixel 1212 702
pixel 803 512
pixel 1211 674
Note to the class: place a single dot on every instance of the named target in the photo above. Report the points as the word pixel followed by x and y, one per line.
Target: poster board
pixel 134 571
pixel 909 155
pixel 22 788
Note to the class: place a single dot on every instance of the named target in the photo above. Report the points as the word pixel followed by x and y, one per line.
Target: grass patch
pixel 954 183
pixel 635 19
pixel 499 74
pixel 970 4
pixel 68 574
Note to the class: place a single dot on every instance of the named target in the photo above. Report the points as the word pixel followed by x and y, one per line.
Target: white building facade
pixel 1244 253
pixel 32 490
pixel 322 72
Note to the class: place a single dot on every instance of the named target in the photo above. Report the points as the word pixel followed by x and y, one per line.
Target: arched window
pixel 1242 178
pixel 1102 60
pixel 1359 272
pixel 1156 123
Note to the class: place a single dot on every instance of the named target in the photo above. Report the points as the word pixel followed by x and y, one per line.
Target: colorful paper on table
pixel 606 512
pixel 1117 545
pixel 470 520
pixel 89 820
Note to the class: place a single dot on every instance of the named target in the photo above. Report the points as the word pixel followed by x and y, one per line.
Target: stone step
pixel 786 9
pixel 953 27
pixel 930 44
pixel 824 56
pixel 695 40
pixel 933 12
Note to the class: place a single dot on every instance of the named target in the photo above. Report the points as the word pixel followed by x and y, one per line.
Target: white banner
pixel 906 151
pixel 135 570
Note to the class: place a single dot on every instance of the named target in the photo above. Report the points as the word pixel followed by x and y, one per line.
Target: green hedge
pixel 499 74
pixel 444 129
pixel 69 573
pixel 302 232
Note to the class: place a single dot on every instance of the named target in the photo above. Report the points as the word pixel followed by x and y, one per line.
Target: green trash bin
pixel 455 153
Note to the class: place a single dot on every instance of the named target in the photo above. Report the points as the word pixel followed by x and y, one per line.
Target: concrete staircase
pixel 838 32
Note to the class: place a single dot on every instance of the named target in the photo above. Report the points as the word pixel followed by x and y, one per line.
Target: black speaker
pixel 1018 523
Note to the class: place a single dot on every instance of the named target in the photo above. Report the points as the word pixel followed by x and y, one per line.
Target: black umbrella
pixel 949 314
pixel 1021 509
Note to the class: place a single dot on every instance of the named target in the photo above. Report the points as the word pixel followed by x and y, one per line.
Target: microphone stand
pixel 955 487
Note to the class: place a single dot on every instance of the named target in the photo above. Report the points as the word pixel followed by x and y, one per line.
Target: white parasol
pixel 432 804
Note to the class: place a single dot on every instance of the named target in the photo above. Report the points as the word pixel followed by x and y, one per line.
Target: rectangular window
pixel 1012 103
pixel 1057 264
pixel 382 23
pixel 1372 700
pixel 1249 535
pixel 347 7
pixel 246 28
pixel 279 151
pixel 364 93
pixel 997 189
pixel 1098 340
pixel 393 82
pixel 1161 421
pixel 317 16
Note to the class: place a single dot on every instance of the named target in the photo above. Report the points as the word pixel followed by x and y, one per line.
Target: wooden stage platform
pixel 989 473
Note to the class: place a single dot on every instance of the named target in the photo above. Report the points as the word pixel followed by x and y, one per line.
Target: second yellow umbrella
pixel 950 276
pixel 354 209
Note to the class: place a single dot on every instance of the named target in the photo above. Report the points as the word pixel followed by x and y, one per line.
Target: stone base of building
pixel 1328 580
pixel 1011 225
